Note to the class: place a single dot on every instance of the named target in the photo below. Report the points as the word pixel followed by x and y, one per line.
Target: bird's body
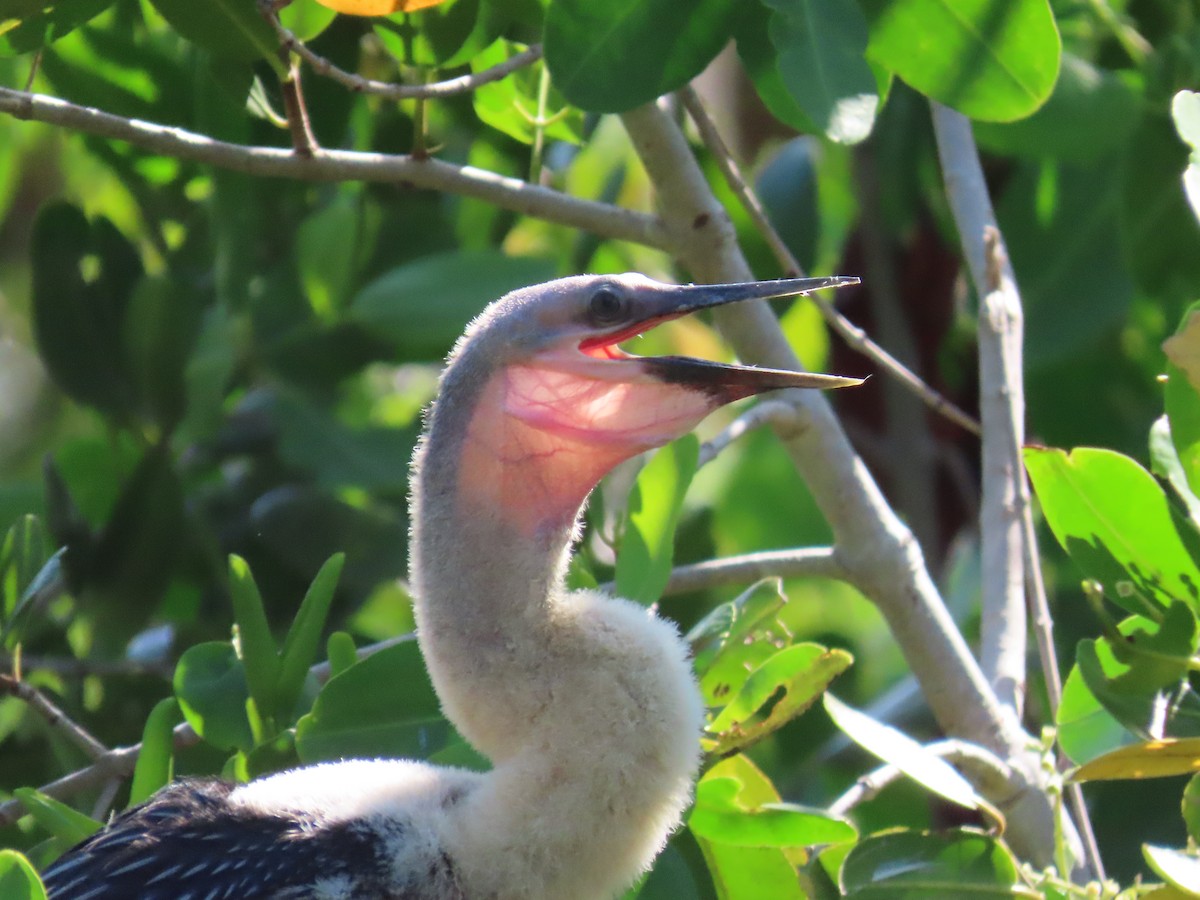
pixel 585 704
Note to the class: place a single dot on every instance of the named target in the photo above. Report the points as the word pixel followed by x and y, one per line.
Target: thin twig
pixel 452 86
pixel 602 219
pixel 996 776
pixel 801 562
pixel 55 717
pixel 995 283
pixel 849 332
pixel 775 413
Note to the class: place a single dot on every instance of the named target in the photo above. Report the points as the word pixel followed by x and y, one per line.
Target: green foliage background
pixel 196 362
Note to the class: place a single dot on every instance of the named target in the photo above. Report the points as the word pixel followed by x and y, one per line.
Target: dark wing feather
pixel 188 843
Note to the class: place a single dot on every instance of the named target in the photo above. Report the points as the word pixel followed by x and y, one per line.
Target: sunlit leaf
pixel 1085 728
pixel 780 689
pixel 1185 108
pixel 994 60
pixel 210 684
pixel 751 872
pixel 1149 759
pixel 304 637
pixel 66 824
pixel 260 660
pixel 18 879
pixel 1177 867
pixel 721 816
pixel 1117 524
pixel 156 756
pixel 648 544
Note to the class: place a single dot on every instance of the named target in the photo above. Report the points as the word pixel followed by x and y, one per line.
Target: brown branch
pixel 602 219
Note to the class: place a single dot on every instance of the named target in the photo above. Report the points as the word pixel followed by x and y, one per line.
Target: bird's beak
pixel 723 381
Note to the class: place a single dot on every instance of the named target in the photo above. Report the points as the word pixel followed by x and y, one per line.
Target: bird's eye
pixel 606 307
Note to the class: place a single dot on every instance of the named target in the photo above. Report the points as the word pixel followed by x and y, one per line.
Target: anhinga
pixel 585 704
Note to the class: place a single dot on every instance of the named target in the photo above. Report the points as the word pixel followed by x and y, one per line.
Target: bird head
pixel 562 403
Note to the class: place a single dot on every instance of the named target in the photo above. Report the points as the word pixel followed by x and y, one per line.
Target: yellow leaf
pixel 377 7
pixel 1151 759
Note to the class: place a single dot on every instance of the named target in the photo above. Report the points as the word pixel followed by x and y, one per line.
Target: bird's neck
pixel 585 704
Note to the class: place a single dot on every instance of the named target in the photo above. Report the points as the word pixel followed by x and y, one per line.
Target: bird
pixel 585 704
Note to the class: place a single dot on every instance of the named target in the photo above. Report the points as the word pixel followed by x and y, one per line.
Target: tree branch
pixel 448 88
pixel 1011 569
pixel 513 194
pixel 983 766
pixel 801 562
pixel 55 717
pixel 847 330
pixel 876 549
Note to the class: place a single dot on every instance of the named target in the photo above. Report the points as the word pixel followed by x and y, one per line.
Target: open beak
pixel 723 381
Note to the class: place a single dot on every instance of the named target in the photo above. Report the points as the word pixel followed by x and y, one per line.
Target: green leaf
pixel 719 815
pixel 1165 461
pixel 304 637
pixel 353 718
pixel 1181 395
pixel 780 689
pixel 1131 677
pixel 950 866
pixel 317 440
pixel 306 20
pixel 908 756
pixel 1117 525
pixel 1083 290
pixel 1190 807
pixel 327 244
pixel 1085 728
pixel 160 328
pixel 260 660
pixel 423 306
pixel 210 684
pixel 648 543
pixel 18 879
pixel 611 57
pixel 83 276
pixel 228 28
pixel 1178 868
pixel 437 36
pixel 156 757
pixel 511 104
pixel 22 556
pixel 1092 114
pixel 821 45
pixel 994 60
pixel 60 820
pixel 731 624
pixel 749 872
pixel 341 652
pixel 42 23
pixel 1185 109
